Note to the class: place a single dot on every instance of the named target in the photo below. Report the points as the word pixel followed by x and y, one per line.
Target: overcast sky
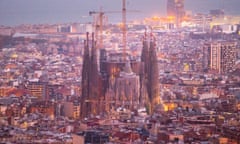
pixel 15 12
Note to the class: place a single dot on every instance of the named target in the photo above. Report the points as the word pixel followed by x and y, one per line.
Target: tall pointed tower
pixel 153 76
pixel 94 79
pixel 90 80
pixel 145 54
pixel 85 80
pixel 150 77
pixel 144 72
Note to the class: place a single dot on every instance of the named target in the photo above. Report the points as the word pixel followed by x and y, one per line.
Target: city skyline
pixel 67 77
pixel 13 12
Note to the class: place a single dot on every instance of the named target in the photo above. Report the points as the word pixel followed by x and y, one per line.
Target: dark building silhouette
pixel 131 84
pixel 91 87
pixel 144 73
pixel 151 72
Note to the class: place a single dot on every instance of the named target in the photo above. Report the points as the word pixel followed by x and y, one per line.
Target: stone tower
pixel 90 80
pixel 150 77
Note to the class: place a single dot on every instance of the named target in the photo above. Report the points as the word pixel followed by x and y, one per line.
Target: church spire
pixel 90 79
pixel 153 76
pixel 151 71
pixel 85 79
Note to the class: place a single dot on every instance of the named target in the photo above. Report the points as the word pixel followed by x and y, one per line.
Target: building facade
pixel 127 88
pixel 220 56
pixel 175 8
pixel 71 110
pixel 150 77
pixel 121 82
pixel 38 89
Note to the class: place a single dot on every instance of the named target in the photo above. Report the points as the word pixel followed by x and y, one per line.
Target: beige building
pixel 78 139
pixel 220 56
pixel 71 110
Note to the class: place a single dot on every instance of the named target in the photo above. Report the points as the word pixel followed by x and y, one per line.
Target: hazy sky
pixel 15 12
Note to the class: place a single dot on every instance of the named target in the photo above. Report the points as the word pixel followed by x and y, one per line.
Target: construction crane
pixel 99 20
pixel 98 25
pixel 124 29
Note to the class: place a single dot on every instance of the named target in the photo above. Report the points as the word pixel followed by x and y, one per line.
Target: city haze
pixel 15 12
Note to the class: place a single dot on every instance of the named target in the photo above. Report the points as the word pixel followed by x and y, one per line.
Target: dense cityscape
pixel 173 79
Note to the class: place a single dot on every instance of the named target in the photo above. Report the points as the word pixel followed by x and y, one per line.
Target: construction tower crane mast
pixel 124 28
pixel 99 21
pixel 98 24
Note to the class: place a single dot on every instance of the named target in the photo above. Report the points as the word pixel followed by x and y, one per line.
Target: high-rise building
pixel 219 56
pixel 171 11
pixel 38 89
pixel 175 8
